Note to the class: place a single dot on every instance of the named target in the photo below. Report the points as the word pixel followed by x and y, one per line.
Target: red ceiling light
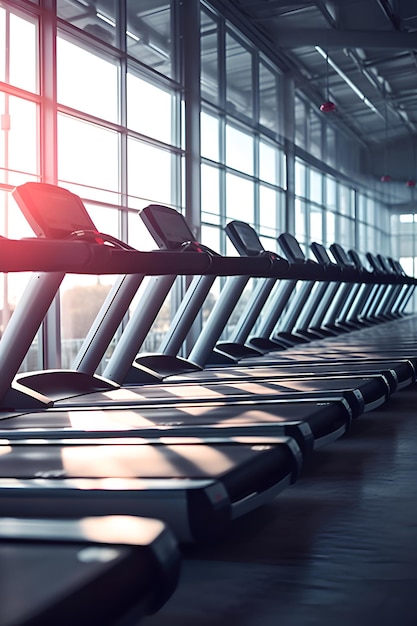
pixel 386 178
pixel 411 183
pixel 328 107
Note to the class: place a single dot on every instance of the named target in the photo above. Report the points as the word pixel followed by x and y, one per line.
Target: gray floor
pixel 338 547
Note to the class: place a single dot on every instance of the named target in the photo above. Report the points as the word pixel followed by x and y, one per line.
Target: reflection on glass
pixel 149 34
pixel 209 75
pixel 315 135
pixel 239 82
pixel 268 98
pixel 300 115
pixel 95 18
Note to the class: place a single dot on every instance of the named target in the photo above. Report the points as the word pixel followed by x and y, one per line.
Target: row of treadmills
pixel 102 477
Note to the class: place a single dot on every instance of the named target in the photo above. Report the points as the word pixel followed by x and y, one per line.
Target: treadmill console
pixel 340 255
pixel 356 259
pixel 385 264
pixel 320 253
pixel 52 211
pixel 56 213
pixel 244 238
pixel 375 264
pixel 167 226
pixel 396 266
pixel 291 248
pixel 170 230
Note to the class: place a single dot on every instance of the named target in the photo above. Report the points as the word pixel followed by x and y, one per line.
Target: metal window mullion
pixel 50 334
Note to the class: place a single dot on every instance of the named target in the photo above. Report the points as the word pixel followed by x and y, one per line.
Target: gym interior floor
pixel 338 547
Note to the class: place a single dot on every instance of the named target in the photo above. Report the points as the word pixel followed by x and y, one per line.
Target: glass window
pixel 86 81
pixel 149 34
pixel 300 178
pixel 239 150
pixel 239 81
pixel 209 74
pixel 268 163
pixel 300 219
pixel 270 211
pixel 2 47
pixel 23 53
pixel 210 190
pixel 300 123
pixel 19 128
pixel 315 135
pixel 210 237
pixel 149 172
pixel 88 155
pixel 138 235
pixel 239 198
pixel 406 218
pixel 268 98
pixel 330 145
pixel 346 232
pixel 149 109
pixel 316 186
pixel 316 224
pixel 99 21
pixel 346 200
pixel 209 137
pixel 330 227
pixel 13 224
pixel 81 299
pixel 331 192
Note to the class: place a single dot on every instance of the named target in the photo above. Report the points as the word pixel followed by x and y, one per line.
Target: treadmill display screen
pixel 340 255
pixel 320 253
pixel 356 259
pixel 244 238
pixel 51 211
pixel 291 247
pixel 167 226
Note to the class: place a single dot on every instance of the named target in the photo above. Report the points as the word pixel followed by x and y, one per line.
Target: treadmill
pixel 60 571
pixel 368 343
pixel 195 486
pixel 259 410
pixel 171 232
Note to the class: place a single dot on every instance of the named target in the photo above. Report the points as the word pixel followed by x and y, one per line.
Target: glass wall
pixel 94 98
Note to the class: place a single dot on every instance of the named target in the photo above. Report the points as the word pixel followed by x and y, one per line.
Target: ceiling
pixel 361 55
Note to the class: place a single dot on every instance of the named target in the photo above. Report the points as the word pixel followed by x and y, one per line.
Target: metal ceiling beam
pixel 332 38
pixel 389 13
